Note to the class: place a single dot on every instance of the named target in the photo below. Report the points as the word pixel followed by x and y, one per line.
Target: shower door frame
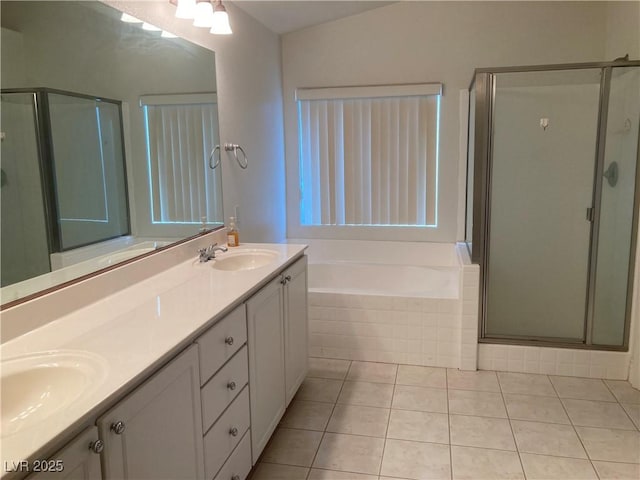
pixel 483 84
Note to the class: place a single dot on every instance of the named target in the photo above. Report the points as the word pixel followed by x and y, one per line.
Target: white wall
pixel 411 42
pixel 250 112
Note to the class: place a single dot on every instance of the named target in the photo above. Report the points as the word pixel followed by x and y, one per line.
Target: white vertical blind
pixel 368 161
pixel 180 138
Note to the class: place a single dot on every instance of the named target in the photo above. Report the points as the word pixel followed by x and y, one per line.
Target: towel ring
pixel 232 147
pixel 212 165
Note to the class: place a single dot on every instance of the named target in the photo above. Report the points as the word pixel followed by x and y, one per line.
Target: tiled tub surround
pixel 372 421
pixel 132 328
pixel 396 302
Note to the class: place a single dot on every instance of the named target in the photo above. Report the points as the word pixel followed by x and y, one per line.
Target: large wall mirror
pixel 106 136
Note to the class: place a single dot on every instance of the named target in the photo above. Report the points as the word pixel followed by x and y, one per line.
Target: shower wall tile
pixel 554 361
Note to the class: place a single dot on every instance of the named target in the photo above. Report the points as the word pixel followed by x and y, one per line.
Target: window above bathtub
pixel 368 161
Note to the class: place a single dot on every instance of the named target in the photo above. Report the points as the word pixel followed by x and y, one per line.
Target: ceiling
pixel 288 16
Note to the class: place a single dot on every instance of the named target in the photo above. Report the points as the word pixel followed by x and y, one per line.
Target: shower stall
pixel 552 202
pixel 63 178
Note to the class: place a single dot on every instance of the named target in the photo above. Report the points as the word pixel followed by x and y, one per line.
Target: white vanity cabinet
pixel 156 431
pixel 78 460
pixel 277 331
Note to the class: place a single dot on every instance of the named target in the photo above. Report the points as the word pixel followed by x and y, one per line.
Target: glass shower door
pixel 613 260
pixel 542 175
pixel 25 248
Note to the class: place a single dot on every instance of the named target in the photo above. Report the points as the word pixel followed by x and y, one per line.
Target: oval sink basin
pixel 36 386
pixel 244 260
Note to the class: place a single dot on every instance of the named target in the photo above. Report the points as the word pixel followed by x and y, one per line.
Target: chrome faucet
pixel 209 253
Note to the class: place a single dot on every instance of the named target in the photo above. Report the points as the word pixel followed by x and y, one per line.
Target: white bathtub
pixel 389 302
pixel 384 279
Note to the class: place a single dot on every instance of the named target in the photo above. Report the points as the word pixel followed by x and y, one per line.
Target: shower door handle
pixel 590 214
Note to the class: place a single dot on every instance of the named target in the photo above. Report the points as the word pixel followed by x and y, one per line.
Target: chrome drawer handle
pixel 231 385
pixel 97 446
pixel 118 428
pixel 233 432
pixel 228 340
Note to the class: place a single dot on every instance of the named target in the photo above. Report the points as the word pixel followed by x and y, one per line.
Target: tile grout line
pixel 315 455
pixel 386 432
pixel 621 405
pixel 564 408
pixel 513 435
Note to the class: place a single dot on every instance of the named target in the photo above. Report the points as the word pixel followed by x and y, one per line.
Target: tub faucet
pixel 209 253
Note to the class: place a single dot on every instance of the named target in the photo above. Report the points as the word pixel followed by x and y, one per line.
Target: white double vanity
pixel 184 374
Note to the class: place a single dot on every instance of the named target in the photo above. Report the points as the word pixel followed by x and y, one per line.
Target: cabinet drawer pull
pixel 288 278
pixel 231 385
pixel 97 446
pixel 233 432
pixel 235 477
pixel 118 428
pixel 228 340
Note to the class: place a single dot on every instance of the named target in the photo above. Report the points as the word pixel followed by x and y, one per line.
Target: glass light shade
pixel 186 9
pixel 129 18
pixel 166 34
pixel 204 15
pixel 221 23
pixel 151 28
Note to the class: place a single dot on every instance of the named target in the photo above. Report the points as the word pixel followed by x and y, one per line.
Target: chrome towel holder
pixel 228 147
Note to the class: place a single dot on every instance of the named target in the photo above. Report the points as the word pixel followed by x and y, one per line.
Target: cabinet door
pixel 76 461
pixel 295 326
pixel 266 363
pixel 162 426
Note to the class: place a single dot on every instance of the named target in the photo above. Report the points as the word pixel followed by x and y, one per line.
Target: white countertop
pixel 131 333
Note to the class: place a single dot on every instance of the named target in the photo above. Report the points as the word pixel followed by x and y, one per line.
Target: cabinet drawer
pixel 219 442
pixel 239 464
pixel 220 342
pixel 224 387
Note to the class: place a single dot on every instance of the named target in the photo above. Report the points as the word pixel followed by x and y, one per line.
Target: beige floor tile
pixel 535 408
pixel 350 453
pixel 422 376
pixel 547 439
pixel 366 394
pixel 526 383
pixel 419 426
pixel 582 388
pixel 292 447
pixel 359 420
pixel 420 398
pixel 481 432
pixel 481 404
pixel 372 372
pixel 633 410
pixel 318 474
pixel 319 390
pixel 541 467
pixel 307 415
pixel 483 380
pixel 610 445
pixel 623 391
pixel 328 368
pixel 273 471
pixel 588 413
pixel 617 471
pixel 482 464
pixel 414 460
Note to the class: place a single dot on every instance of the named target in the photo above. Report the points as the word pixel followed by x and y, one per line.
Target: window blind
pixel 368 161
pixel 180 138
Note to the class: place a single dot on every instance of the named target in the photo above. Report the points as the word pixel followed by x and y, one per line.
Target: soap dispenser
pixel 233 239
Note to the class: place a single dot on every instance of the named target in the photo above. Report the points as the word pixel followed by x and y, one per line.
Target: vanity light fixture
pixel 149 27
pixel 203 14
pixel 129 18
pixel 220 20
pixel 186 9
